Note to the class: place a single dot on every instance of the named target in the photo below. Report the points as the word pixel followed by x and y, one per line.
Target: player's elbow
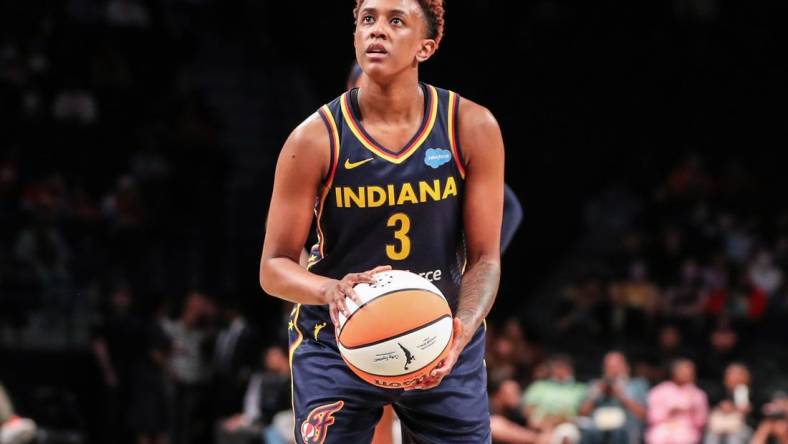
pixel 490 261
pixel 262 282
pixel 267 279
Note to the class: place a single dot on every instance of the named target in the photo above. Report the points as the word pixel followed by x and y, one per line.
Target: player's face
pixel 390 37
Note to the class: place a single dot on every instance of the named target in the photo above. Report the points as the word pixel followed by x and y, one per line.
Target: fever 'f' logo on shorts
pixel 315 427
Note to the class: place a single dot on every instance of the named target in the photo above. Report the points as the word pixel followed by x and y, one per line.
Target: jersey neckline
pixel 427 124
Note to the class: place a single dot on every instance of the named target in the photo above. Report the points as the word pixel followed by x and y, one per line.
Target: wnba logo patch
pixel 315 427
pixel 436 157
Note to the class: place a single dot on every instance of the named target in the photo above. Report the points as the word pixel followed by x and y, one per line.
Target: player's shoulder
pixel 475 116
pixel 309 134
pixel 477 128
pixel 310 146
pixel 314 127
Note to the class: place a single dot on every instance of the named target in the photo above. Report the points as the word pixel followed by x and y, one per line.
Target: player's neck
pixel 391 102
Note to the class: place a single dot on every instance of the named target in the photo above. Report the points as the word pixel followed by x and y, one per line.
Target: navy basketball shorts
pixel 332 405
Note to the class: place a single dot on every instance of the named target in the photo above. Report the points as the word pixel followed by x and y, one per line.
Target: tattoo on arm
pixel 477 294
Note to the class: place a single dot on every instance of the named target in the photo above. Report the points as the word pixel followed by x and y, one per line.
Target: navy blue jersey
pixel 400 208
pixel 383 207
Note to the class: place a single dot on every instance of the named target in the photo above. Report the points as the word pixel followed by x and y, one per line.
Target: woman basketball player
pixel 399 174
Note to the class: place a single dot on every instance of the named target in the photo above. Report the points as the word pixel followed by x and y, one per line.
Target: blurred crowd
pixel 189 374
pixel 109 157
pixel 192 372
pixel 618 406
pixel 683 305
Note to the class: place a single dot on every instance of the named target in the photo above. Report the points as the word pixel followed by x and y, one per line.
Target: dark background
pixel 590 96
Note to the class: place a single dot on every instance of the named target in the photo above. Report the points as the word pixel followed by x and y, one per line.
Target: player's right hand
pixel 335 292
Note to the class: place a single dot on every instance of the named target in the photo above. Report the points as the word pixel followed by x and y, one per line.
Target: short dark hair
pixel 675 363
pixel 561 358
pixel 433 11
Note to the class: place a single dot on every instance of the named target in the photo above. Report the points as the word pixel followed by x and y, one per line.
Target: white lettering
pixel 432 275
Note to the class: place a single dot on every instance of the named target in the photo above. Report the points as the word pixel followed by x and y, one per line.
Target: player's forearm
pixel 477 294
pixel 286 279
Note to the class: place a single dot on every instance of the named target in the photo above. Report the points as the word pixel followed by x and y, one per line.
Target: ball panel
pixel 400 333
pixel 392 280
pixel 391 315
pixel 387 282
pixel 396 382
pixel 406 353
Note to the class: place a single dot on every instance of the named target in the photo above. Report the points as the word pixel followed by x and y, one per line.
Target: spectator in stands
pixel 267 394
pixel 723 348
pixel 149 416
pixel 13 429
pixel 677 409
pixel 685 301
pixel 728 422
pixel 737 238
pixel 509 354
pixel 669 347
pixel 774 427
pixel 764 274
pixel 43 249
pixel 507 423
pixel 556 400
pixel 668 255
pixel 715 284
pixel 500 356
pixel 236 355
pixel 125 211
pixel 688 181
pixel 616 404
pixel 119 346
pixel 190 368
pixel 635 300
pixel 582 312
pixel 525 351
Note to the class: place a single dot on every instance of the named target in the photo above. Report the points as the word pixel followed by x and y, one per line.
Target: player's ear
pixel 428 47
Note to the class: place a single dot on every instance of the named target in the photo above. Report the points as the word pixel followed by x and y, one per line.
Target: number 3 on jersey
pixel 401 224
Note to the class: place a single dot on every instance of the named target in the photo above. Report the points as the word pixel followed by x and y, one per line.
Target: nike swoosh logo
pixel 350 165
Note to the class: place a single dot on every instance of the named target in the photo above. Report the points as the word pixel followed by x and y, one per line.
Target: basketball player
pixel 512 217
pixel 400 175
pixel 512 209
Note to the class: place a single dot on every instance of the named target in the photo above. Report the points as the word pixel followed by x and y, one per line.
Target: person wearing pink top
pixel 677 409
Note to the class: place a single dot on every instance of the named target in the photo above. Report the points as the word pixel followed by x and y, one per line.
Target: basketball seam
pixel 350 364
pixel 378 297
pixel 397 336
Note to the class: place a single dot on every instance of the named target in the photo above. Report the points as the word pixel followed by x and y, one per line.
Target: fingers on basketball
pixel 380 269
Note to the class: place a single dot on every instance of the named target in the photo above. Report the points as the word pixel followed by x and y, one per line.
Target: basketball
pixel 401 331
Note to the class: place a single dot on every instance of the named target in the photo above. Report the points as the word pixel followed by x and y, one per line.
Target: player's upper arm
pixel 483 154
pixel 300 169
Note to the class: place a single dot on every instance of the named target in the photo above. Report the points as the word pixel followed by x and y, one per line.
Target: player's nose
pixel 377 31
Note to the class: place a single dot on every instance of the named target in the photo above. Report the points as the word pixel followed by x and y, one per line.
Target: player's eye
pixel 396 21
pixel 367 19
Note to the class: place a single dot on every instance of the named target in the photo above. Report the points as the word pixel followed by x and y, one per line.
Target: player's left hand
pixel 444 367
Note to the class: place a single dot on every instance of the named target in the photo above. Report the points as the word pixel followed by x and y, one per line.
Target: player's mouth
pixel 376 51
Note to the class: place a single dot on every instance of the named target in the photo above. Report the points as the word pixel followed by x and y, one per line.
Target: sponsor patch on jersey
pixel 436 157
pixel 314 429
